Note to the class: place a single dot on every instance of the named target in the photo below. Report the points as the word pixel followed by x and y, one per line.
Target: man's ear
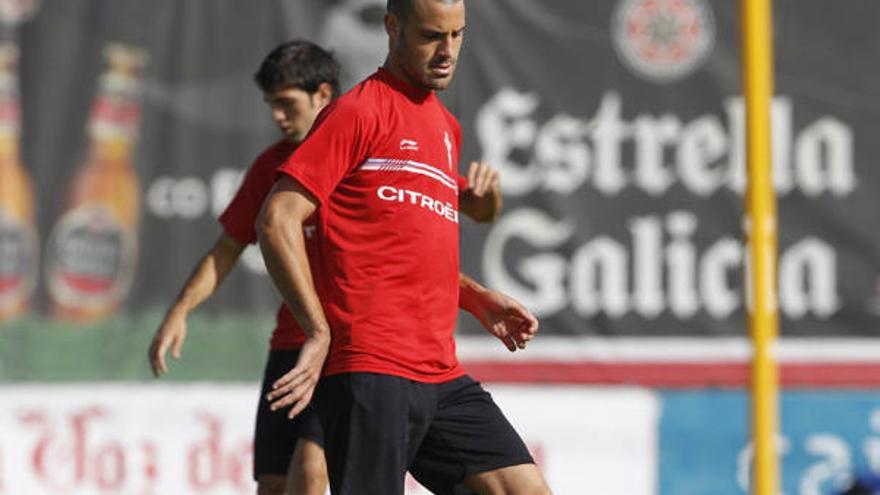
pixel 324 94
pixel 392 26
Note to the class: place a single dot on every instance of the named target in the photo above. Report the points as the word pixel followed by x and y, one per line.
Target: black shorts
pixel 275 437
pixel 379 426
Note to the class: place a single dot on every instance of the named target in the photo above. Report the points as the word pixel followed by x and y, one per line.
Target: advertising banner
pixel 622 157
pixel 127 439
pixel 827 440
pixel 617 126
pixel 197 439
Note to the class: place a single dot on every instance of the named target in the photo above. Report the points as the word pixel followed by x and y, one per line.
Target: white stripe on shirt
pixel 395 165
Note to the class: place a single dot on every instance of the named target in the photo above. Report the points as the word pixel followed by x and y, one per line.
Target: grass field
pixel 228 348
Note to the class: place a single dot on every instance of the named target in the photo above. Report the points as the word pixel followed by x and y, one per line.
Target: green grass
pixel 227 348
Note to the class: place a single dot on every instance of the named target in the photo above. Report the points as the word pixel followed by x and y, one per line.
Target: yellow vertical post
pixel 757 53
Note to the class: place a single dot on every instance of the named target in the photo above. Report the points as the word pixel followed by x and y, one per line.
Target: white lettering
pixel 451 214
pixel 562 151
pixel 224 185
pixel 445 210
pixel 835 173
pixel 567 152
pixel 659 268
pixel 647 266
pixel 592 291
pixel 780 117
pixel 186 198
pixel 504 128
pixel 718 296
pixel 191 198
pixel 834 464
pixel 681 260
pixel 651 136
pixel 413 196
pixel 538 280
pixel 608 134
pixel 702 144
pixel 808 279
pixel 158 197
pixel 383 193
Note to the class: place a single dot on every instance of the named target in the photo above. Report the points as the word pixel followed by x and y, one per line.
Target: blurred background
pixel 618 128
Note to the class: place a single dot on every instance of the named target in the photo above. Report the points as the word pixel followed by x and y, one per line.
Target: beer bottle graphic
pixel 18 239
pixel 92 249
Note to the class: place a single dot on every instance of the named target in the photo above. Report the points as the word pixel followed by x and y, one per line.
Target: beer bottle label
pixel 91 259
pixel 18 261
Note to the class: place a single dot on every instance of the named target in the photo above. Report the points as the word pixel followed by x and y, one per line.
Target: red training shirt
pixel 238 223
pixel 382 161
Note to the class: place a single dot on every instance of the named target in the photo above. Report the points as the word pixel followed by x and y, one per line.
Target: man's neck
pixel 397 71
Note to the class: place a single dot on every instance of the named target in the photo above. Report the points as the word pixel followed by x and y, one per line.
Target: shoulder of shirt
pixel 273 156
pixel 364 98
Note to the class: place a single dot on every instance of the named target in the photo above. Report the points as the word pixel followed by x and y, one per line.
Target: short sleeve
pixel 337 144
pixel 462 183
pixel 241 214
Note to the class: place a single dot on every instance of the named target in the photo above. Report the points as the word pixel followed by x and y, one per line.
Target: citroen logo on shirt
pixel 448 143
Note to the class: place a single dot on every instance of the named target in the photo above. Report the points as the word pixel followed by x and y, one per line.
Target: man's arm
pixel 501 315
pixel 280 230
pixel 481 201
pixel 204 280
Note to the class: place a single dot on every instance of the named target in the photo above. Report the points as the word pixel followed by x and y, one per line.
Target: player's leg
pixel 308 469
pixel 275 436
pixel 271 484
pixel 470 442
pixel 523 479
pixel 372 427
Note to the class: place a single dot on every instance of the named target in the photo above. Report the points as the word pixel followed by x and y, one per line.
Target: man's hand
pixel 279 228
pixel 481 201
pixel 297 386
pixel 482 179
pixel 205 278
pixel 172 333
pixel 505 318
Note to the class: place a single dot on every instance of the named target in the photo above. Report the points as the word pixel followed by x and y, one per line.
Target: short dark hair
pixel 300 64
pixel 403 8
pixel 400 8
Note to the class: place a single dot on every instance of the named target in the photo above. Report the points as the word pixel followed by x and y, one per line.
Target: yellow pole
pixel 757 50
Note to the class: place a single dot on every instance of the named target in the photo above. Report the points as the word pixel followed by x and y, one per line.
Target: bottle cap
pixel 126 57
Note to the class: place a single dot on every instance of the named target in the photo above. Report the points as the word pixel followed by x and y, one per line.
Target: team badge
pixel 663 40
pixel 448 143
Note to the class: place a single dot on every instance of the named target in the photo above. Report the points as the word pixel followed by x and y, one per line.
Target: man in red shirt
pixel 380 162
pixel 298 80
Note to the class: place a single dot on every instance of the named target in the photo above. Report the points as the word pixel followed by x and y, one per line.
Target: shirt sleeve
pixel 462 183
pixel 241 214
pixel 338 142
